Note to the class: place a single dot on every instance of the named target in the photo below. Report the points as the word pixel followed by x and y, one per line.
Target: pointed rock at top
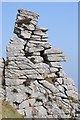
pixel 27 12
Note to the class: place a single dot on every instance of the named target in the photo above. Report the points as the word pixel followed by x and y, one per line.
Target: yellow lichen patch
pixel 51 80
pixel 73 100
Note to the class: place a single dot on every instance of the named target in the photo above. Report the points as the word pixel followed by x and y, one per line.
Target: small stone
pixel 36 59
pixel 24 104
pixel 65 87
pixel 61 95
pixel 49 86
pixel 41 110
pixel 16 97
pixel 43 71
pixel 31 102
pixel 39 32
pixel 72 94
pixel 34 22
pixel 29 27
pixel 21 111
pixel 45 45
pixel 55 64
pixel 16 82
pixel 25 34
pixel 17 30
pixel 44 29
pixel 41 65
pixel 2 93
pixel 28 112
pixel 61 73
pixel 53 50
pixel 38 104
pixel 55 58
pixel 53 70
pixel 35 49
pixel 35 37
pixel 60 80
pixel 60 88
pixel 44 39
pixel 35 76
pixel 52 75
pixel 36 53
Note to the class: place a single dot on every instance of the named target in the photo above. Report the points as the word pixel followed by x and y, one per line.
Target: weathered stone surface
pixel 41 65
pixel 41 111
pixel 35 37
pixel 44 29
pixel 30 27
pixel 35 76
pixel 60 80
pixel 61 95
pixel 36 86
pixel 28 112
pixel 62 73
pixel 55 64
pixel 24 104
pixel 36 59
pixel 25 34
pixel 34 22
pixel 60 88
pixel 53 51
pixel 17 30
pixel 1 71
pixel 39 32
pixel 43 71
pixel 15 82
pixel 29 13
pixel 2 93
pixel 45 45
pixel 21 111
pixel 55 58
pixel 35 49
pixel 49 86
pixel 53 70
pixel 52 75
pixel 31 102
pixel 72 94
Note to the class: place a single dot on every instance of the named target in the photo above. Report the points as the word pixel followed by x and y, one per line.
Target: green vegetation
pixel 7 111
pixel 73 100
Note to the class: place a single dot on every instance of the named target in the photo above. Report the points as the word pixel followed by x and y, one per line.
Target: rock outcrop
pixel 36 85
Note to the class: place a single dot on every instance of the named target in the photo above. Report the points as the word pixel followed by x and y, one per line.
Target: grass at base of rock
pixel 7 111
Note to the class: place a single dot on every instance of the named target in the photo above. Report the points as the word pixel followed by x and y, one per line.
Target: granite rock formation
pixel 36 85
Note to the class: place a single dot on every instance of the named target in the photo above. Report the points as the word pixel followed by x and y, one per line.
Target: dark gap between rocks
pixel 14 91
pixel 16 103
pixel 43 56
pixel 3 76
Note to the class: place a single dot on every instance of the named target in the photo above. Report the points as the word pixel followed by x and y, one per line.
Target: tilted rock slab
pixel 36 85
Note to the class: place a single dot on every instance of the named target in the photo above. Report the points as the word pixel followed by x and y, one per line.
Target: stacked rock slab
pixel 2 79
pixel 36 85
